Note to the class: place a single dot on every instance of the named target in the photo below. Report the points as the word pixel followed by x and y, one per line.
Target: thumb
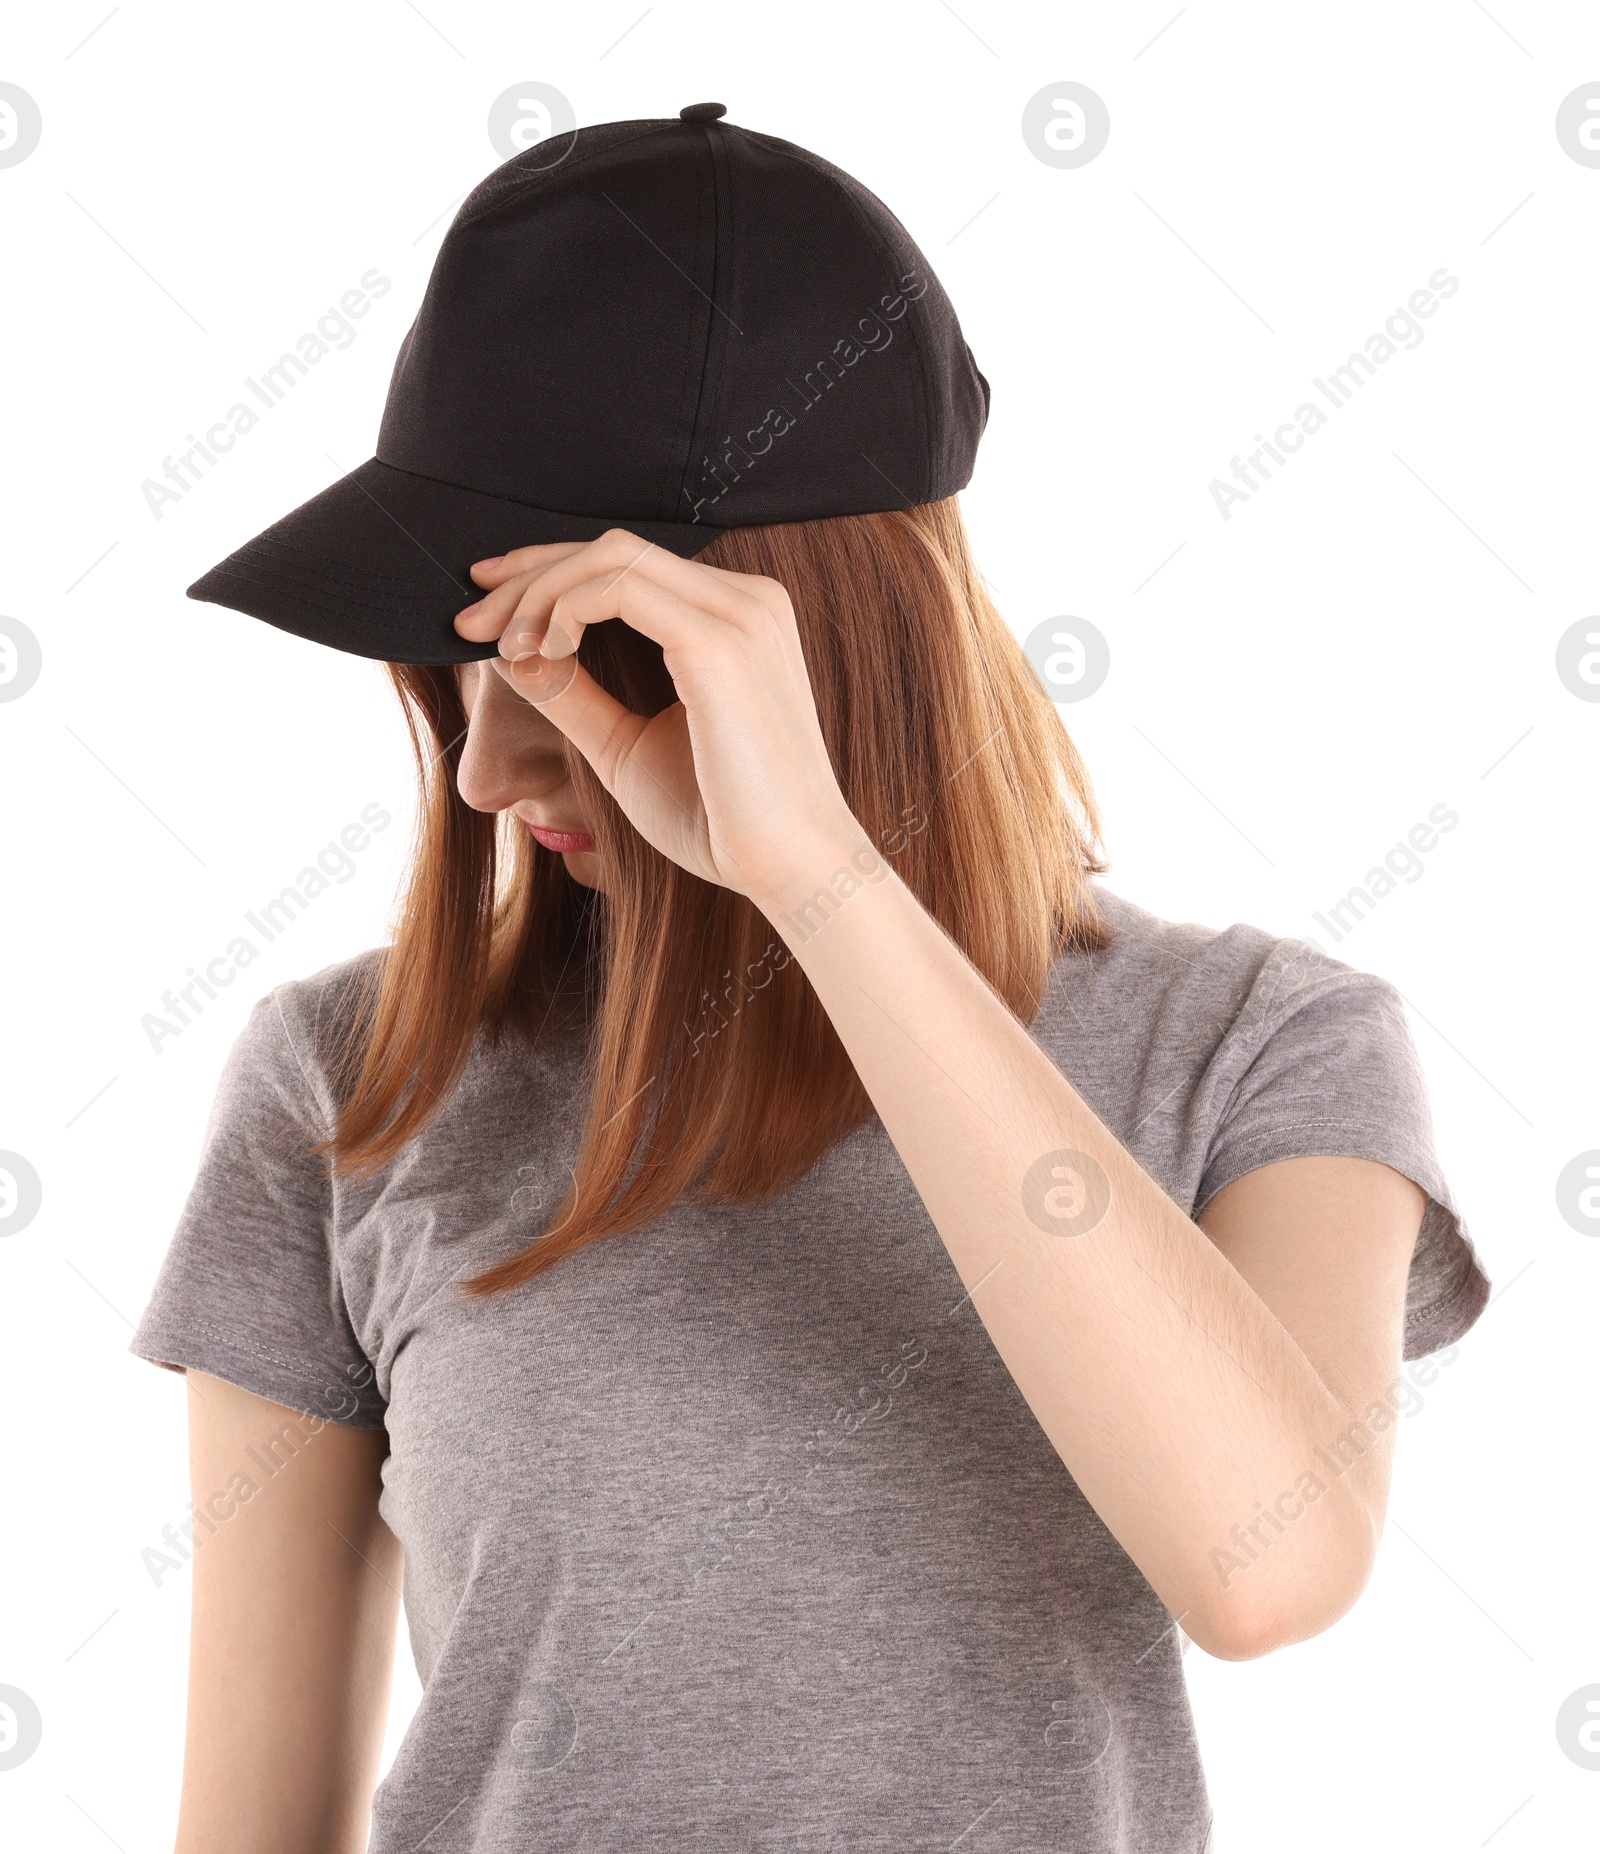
pixel 596 723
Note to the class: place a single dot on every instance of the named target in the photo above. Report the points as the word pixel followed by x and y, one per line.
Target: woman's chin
pixel 584 868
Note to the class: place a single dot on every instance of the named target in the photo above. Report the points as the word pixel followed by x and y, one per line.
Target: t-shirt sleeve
pixel 1326 1066
pixel 249 1290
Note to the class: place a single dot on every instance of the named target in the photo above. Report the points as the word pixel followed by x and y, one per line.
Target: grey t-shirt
pixel 734 1533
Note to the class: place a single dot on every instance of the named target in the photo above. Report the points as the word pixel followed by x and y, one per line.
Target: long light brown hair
pixel 713 1070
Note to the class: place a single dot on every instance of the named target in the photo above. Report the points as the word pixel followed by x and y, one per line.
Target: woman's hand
pixel 733 781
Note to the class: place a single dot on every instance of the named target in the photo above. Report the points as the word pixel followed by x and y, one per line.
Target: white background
pixel 1372 634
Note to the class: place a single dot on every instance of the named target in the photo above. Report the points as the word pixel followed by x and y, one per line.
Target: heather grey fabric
pixel 735 1534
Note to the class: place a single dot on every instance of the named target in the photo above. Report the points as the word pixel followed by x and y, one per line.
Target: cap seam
pixel 706 399
pixel 814 164
pixel 676 467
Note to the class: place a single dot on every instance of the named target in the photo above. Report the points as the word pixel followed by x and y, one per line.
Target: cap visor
pixel 377 563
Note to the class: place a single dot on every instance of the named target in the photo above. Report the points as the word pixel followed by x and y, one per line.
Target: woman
pixel 827 1297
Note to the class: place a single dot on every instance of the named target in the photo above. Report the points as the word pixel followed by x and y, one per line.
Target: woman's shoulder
pixel 1236 974
pixel 1191 1010
pixel 309 1020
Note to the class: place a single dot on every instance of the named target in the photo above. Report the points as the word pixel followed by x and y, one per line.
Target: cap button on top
pixel 702 112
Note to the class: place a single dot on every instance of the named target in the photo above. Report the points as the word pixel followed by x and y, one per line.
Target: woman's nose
pixel 507 757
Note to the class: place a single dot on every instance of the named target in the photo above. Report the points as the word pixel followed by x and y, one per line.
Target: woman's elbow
pixel 1246 1619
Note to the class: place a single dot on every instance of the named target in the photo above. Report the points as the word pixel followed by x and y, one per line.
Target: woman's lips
pixel 563 842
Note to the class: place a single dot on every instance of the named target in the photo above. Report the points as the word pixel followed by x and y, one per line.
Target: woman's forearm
pixel 1180 1404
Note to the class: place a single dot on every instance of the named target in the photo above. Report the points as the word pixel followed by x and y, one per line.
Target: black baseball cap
pixel 675 327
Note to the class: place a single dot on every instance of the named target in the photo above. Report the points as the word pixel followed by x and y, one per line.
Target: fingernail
pixel 467 611
pixel 489 563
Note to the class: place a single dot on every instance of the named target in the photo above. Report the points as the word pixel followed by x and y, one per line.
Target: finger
pixel 530 580
pixel 613 556
pixel 507 576
pixel 501 567
pixel 638 601
pixel 557 625
pixel 484 620
pixel 623 556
